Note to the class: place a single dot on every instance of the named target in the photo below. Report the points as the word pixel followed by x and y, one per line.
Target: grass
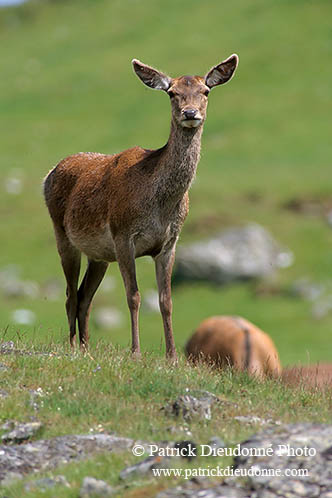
pixel 67 86
pixel 78 398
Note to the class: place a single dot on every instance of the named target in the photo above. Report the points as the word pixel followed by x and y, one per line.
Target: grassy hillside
pixel 67 85
pixel 82 395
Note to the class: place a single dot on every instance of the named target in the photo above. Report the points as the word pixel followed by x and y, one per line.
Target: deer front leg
pixel 125 255
pixel 164 265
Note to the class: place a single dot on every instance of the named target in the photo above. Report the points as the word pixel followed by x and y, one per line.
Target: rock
pixel 6 347
pixel 9 478
pixel 46 483
pixel 92 487
pixel 221 491
pixel 35 398
pixel 108 284
pixel 253 419
pixel 22 432
pixel 320 294
pixel 52 289
pixel 24 317
pixel 191 406
pixel 303 447
pixel 3 367
pixel 329 218
pixel 3 394
pixel 13 286
pixel 306 289
pixel 8 425
pixel 14 182
pixel 187 449
pixel 151 301
pixel 236 254
pixel 216 442
pixel 144 466
pixel 49 453
pixel 107 318
pixel 295 449
pixel 180 428
pixel 322 307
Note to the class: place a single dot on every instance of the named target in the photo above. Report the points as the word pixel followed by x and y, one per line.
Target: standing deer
pixel 122 206
pixel 234 341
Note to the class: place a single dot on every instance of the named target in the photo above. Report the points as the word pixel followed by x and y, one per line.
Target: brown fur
pixel 122 206
pixel 234 341
pixel 317 376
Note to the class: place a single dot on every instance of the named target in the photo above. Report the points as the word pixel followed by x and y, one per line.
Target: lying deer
pixel 122 206
pixel 317 376
pixel 234 341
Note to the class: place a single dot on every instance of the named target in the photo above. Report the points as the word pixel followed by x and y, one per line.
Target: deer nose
pixel 190 113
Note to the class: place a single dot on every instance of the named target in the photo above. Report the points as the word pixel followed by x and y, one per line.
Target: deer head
pixel 188 94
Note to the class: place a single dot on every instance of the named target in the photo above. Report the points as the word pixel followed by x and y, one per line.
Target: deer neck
pixel 180 158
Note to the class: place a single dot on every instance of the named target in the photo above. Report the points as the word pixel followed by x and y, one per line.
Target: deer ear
pixel 151 77
pixel 222 73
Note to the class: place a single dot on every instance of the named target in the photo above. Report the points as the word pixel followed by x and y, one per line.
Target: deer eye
pixel 171 94
pixel 206 93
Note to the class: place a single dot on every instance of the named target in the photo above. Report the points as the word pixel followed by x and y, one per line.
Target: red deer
pixel 122 206
pixel 234 341
pixel 317 376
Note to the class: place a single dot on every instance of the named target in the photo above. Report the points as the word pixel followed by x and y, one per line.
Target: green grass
pixel 77 398
pixel 67 86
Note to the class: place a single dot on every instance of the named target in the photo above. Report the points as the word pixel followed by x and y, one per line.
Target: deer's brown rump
pixel 308 376
pixel 234 341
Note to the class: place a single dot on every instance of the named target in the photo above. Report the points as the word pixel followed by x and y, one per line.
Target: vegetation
pixel 66 86
pixel 82 394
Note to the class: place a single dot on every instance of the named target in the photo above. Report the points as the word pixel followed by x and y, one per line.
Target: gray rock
pixel 52 289
pixel 144 466
pixel 12 286
pixel 216 443
pixel 236 254
pixel 108 284
pixel 22 432
pixel 303 447
pixel 192 405
pixel 23 316
pixel 288 444
pixel 3 393
pixel 108 318
pixel 11 477
pixel 151 301
pixel 329 218
pixel 92 487
pixel 6 347
pixel 3 367
pixel 49 453
pixel 8 425
pixel 322 307
pixel 36 400
pixel 14 182
pixel 306 289
pixel 253 419
pixel 221 491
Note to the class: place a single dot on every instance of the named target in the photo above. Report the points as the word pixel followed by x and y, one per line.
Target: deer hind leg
pixel 93 276
pixel 126 259
pixel 71 264
pixel 164 264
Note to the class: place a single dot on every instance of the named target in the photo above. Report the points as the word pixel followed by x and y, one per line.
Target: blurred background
pixel 67 86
